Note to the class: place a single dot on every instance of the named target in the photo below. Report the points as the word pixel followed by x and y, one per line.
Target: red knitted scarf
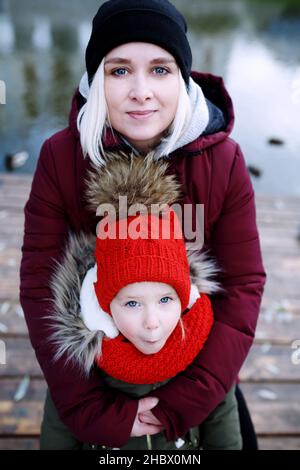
pixel 122 360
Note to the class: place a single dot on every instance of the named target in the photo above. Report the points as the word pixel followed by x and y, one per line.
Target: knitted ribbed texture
pixel 122 261
pixel 121 360
pixel 153 21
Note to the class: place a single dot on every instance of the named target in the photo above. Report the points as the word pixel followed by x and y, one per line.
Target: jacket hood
pixel 219 126
pixel 79 324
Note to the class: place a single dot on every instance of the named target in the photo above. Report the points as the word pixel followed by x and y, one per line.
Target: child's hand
pixel 147 426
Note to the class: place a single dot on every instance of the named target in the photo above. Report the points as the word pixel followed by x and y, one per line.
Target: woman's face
pixel 141 89
pixel 146 313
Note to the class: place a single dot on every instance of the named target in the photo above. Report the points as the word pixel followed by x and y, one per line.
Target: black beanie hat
pixel 121 21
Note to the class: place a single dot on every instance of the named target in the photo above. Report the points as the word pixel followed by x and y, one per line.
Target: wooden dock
pixel 270 377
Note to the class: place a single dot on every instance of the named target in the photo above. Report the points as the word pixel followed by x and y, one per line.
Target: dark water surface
pixel 254 45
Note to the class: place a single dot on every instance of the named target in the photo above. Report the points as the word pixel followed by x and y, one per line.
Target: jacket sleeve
pixel 188 399
pixel 90 411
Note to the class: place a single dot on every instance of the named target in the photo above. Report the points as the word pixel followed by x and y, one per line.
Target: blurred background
pixel 255 46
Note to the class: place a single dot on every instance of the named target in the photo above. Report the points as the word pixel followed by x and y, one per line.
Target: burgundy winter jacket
pixel 212 171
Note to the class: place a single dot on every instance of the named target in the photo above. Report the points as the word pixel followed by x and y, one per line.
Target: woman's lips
pixel 140 115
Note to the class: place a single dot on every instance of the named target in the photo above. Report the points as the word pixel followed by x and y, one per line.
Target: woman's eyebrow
pixel 123 60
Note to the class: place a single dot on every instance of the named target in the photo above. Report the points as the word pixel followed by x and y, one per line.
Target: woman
pixel 139 94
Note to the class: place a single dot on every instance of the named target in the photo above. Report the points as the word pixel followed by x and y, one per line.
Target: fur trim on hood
pixel 78 323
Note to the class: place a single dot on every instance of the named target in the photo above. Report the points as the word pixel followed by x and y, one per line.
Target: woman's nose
pixel 140 89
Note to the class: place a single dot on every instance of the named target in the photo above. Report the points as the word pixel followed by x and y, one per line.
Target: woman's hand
pixel 149 418
pixel 145 422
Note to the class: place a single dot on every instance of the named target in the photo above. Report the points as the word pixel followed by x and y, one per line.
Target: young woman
pixel 139 94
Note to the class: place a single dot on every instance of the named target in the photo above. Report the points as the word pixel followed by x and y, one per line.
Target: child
pixel 141 313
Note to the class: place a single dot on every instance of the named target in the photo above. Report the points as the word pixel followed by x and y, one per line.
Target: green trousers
pixel 220 431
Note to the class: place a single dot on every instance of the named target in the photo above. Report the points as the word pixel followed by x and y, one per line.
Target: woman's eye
pixel 121 71
pixel 161 71
pixel 164 300
pixel 131 303
pixel 116 72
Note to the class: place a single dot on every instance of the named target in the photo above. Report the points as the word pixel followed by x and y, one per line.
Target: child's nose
pixel 151 321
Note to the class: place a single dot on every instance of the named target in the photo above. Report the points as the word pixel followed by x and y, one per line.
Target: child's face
pixel 146 313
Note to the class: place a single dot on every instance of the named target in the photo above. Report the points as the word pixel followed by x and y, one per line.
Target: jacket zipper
pixel 149 442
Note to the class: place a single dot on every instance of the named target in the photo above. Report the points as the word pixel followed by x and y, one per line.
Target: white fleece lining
pixel 92 314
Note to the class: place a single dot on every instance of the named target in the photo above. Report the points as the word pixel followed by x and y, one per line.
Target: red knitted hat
pixel 140 248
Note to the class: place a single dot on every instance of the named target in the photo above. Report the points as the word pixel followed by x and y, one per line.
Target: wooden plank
pixel 273 364
pixel 284 269
pixel 20 359
pixel 263 201
pixel 265 371
pixel 19 443
pixel 270 213
pixel 262 365
pixel 287 245
pixel 21 417
pixel 280 265
pixel 15 177
pixel 293 304
pixel 10 247
pixel 279 234
pixel 19 186
pixel 274 326
pixel 278 327
pixel 279 290
pixel 12 317
pixel 279 286
pixel 265 219
pixel 9 289
pixel 13 252
pixel 13 194
pixel 13 206
pixel 279 443
pixel 271 417
pixel 278 203
pixel 12 221
pixel 280 415
pixel 9 285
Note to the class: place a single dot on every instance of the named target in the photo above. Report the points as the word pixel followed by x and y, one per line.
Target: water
pixel 253 45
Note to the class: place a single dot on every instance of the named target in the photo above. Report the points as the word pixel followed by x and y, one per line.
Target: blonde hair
pixel 182 329
pixel 93 120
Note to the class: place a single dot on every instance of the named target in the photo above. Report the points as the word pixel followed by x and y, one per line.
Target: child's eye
pixel 131 303
pixel 164 300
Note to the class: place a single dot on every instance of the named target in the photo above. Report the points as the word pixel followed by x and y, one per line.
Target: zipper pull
pixel 149 443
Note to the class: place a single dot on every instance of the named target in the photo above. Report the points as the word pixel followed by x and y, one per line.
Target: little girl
pixel 141 313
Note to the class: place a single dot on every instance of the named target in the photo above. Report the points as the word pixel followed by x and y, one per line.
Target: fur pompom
pixel 141 179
